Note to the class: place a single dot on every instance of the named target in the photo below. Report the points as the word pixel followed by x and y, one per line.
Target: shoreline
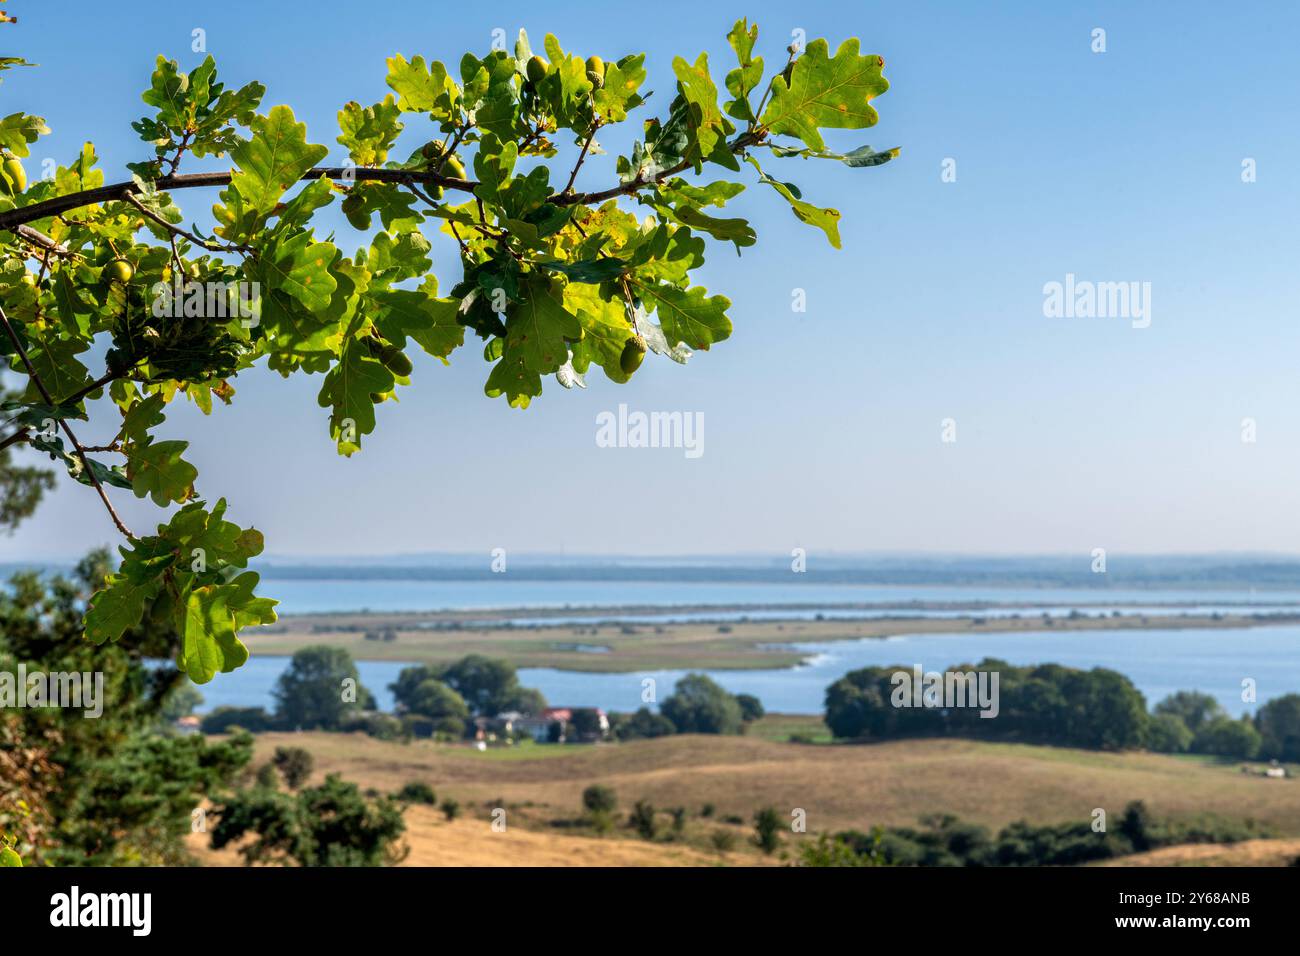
pixel 601 647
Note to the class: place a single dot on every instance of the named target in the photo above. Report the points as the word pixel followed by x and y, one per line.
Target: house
pixel 580 724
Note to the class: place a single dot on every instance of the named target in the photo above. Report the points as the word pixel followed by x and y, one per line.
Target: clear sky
pixel 822 429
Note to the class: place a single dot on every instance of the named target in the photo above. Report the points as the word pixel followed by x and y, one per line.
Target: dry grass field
pixel 840 787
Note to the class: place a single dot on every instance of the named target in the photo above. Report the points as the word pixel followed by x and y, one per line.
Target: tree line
pixel 1068 707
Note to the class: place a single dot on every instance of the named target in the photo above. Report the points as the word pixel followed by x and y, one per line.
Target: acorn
pixel 431 150
pixel 596 71
pixel 633 353
pixel 352 203
pixel 453 168
pixel 396 361
pixel 119 270
pixel 536 69
pixel 16 174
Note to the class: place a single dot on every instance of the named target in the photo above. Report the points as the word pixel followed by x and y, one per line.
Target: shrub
pixel 223 719
pixel 724 841
pixel 643 820
pixel 295 765
pixel 417 791
pixel 451 808
pixel 767 824
pixel 267 778
pixel 599 799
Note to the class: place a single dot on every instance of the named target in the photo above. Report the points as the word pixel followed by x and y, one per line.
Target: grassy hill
pixel 840 787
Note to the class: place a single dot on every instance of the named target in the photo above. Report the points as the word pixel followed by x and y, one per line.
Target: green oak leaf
pixel 605 329
pixel 826 92
pixel 369 132
pixel 538 332
pixel 861 157
pixel 302 268
pixel 273 160
pixel 421 88
pixel 687 315
pixel 708 127
pixel 117 608
pixel 347 389
pixel 745 78
pixel 156 469
pixel 619 95
pixel 418 313
pixel 827 220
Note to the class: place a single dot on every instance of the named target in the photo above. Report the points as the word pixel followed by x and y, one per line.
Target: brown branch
pixel 67 430
pixel 581 156
pixel 24 433
pixel 118 191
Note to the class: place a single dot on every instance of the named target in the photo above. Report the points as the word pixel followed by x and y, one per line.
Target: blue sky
pixel 822 429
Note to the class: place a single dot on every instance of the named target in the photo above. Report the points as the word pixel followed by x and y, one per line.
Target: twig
pixel 178 231
pixel 582 156
pixel 67 430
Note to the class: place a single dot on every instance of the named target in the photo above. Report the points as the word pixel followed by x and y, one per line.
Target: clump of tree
pixel 447 695
pixel 1047 703
pixel 641 725
pixel 330 825
pixel 319 690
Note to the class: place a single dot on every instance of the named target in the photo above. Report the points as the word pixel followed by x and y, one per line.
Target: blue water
pixel 1159 662
pixel 303 596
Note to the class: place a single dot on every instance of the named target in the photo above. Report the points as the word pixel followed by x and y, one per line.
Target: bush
pixel 417 792
pixel 707 810
pixel 329 825
pixel 267 778
pixel 374 724
pixel 223 719
pixel 643 820
pixel 724 841
pixel 767 824
pixel 599 799
pixel 295 765
pixel 645 723
pixel 451 808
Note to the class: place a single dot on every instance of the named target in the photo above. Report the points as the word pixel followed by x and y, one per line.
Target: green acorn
pixel 536 69
pixel 14 172
pixel 119 270
pixel 633 353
